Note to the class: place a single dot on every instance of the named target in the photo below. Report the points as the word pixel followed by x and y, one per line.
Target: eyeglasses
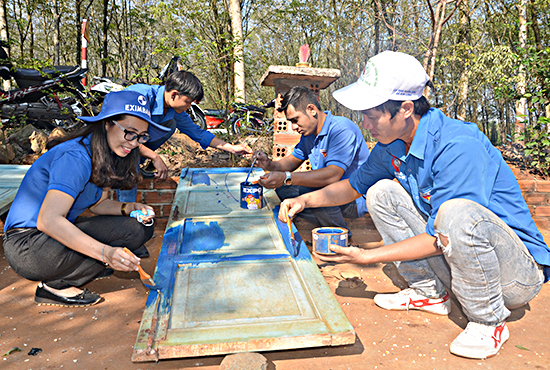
pixel 130 136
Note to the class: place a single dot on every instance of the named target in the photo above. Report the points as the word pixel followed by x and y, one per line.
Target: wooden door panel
pixel 230 235
pixel 231 281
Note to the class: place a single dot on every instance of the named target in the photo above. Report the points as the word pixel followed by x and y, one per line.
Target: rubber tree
pixel 238 52
pixel 521 104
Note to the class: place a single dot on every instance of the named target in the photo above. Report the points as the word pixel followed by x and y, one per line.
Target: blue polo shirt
pixel 340 143
pixel 451 159
pixel 184 123
pixel 66 167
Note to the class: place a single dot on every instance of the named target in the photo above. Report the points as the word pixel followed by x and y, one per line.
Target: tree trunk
pixel 78 25
pixel 238 52
pixel 438 20
pixel 105 50
pixel 463 84
pixel 56 32
pixel 521 104
pixel 4 36
pixel 376 33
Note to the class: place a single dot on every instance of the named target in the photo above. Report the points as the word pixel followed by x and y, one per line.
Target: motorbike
pixel 101 86
pixel 48 98
pixel 248 119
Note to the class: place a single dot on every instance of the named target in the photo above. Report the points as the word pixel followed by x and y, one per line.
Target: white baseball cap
pixel 390 75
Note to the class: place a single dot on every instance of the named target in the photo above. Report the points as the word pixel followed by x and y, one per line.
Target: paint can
pixel 323 237
pixel 251 195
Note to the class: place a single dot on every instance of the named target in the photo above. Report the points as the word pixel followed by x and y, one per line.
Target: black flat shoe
pixel 106 272
pixel 86 298
pixel 141 252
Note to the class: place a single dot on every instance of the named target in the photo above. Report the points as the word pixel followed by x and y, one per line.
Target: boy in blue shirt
pixel 335 148
pixel 168 105
pixel 454 220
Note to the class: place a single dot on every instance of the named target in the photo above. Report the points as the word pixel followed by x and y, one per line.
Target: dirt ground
pixel 103 336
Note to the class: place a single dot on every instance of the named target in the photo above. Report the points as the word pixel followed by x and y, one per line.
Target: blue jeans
pixel 484 264
pixel 131 195
pixel 324 216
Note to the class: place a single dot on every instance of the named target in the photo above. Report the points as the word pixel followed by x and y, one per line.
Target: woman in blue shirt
pixel 43 239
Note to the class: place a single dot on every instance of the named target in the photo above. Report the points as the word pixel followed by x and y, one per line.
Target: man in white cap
pixel 455 218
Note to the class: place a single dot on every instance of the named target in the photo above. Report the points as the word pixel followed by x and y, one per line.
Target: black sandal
pixel 84 299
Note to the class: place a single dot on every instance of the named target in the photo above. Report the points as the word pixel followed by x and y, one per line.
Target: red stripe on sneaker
pixel 425 302
pixel 497 336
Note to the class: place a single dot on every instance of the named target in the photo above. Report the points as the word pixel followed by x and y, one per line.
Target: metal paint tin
pixel 251 195
pixel 323 237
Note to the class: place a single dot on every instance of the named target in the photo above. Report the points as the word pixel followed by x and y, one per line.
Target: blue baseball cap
pixel 132 103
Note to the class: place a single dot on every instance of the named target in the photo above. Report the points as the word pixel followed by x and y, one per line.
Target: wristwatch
pixel 288 179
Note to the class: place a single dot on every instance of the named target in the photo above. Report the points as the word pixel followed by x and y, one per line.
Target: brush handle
pixel 142 273
pixel 289 224
pixel 250 170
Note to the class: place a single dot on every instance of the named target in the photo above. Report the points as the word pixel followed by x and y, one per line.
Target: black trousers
pixel 38 257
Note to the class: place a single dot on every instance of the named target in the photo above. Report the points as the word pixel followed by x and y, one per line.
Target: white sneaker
pixel 409 299
pixel 480 341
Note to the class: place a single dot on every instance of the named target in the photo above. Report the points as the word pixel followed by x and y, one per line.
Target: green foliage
pixel 537 145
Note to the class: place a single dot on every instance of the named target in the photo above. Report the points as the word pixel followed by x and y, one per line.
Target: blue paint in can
pixel 323 237
pixel 252 195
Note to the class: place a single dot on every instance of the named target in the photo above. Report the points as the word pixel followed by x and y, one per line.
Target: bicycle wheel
pixel 243 127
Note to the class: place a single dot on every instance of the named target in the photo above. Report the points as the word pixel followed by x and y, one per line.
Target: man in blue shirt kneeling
pixel 335 148
pixel 454 220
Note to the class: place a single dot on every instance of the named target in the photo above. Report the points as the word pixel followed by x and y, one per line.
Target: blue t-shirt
pixel 340 143
pixel 67 167
pixel 184 123
pixel 451 159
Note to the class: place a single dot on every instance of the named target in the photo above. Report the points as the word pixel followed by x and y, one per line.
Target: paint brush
pixel 250 170
pixel 145 277
pixel 291 233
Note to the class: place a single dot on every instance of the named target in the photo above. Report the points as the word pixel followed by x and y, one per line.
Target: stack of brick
pixel 284 140
pixel 537 195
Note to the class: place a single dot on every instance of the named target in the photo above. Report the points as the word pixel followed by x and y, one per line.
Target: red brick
pixel 158 197
pixel 286 139
pixel 157 209
pixel 541 211
pixel 527 185
pixel 166 209
pixel 543 186
pixel 543 224
pixel 146 184
pixel 166 184
pixel 536 198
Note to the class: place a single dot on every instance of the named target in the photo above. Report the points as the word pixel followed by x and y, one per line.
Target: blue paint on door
pixel 200 236
pixel 201 178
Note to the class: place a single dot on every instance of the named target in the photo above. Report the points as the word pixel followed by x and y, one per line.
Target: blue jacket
pixel 451 159
pixel 155 95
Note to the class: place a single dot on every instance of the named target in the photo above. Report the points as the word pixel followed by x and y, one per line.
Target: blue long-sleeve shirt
pixel 155 95
pixel 451 159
